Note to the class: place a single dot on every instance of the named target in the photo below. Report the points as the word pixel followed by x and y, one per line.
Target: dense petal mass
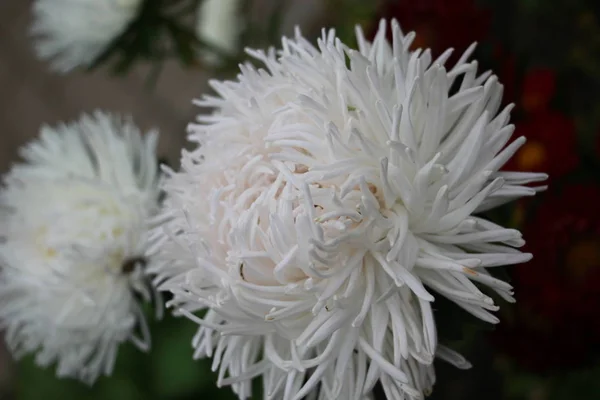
pixel 73 223
pixel 74 33
pixel 329 197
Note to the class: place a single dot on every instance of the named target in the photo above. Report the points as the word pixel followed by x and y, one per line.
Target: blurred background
pixel 547 55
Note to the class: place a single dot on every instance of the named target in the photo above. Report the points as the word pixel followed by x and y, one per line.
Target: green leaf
pixel 121 389
pixel 175 373
pixel 34 382
pixel 576 385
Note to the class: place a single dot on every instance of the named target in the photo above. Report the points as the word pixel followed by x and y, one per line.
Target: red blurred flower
pixel 539 87
pixel 550 147
pixel 439 24
pixel 556 318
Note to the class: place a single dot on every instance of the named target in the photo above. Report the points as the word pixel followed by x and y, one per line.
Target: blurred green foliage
pixel 166 372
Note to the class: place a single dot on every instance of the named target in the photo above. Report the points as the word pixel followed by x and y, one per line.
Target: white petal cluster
pixel 73 33
pixel 73 233
pixel 329 197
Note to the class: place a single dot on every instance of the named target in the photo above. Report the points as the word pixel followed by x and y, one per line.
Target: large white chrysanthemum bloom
pixel 74 33
pixel 329 197
pixel 73 233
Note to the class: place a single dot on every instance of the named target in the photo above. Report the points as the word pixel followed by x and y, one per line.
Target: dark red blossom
pixel 539 87
pixel 439 24
pixel 556 319
pixel 551 145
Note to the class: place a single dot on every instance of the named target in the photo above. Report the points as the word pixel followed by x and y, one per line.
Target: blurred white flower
pixel 73 33
pixel 73 232
pixel 328 198
pixel 219 25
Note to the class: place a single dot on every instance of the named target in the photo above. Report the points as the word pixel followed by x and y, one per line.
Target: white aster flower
pixel 73 233
pixel 330 196
pixel 74 33
pixel 219 24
